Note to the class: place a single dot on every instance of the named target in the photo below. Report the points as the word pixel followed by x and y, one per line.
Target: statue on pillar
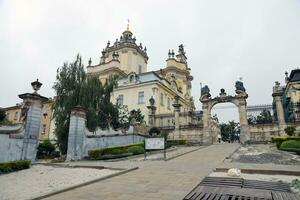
pixel 205 93
pixel 239 87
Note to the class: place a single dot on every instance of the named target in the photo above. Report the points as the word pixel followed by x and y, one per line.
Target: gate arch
pixel 239 100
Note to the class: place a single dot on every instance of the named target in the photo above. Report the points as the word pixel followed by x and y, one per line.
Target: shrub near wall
pixel 291 145
pixel 280 139
pixel 113 152
pixel 176 142
pixel 12 166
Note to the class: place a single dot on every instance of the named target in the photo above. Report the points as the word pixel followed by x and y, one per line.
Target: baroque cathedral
pixel 136 85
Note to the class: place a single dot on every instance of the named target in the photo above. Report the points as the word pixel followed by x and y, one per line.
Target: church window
pixel 131 78
pixel 169 103
pixel 141 97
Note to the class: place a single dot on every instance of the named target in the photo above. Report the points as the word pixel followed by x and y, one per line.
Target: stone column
pixel 31 114
pixel 244 127
pixel 277 93
pixel 207 137
pixel 76 134
pixel 176 106
pixel 151 115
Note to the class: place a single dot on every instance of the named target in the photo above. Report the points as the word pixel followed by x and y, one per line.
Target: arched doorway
pixel 239 100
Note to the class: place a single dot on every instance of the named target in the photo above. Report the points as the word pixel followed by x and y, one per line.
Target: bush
pixel 117 151
pixel 278 140
pixel 12 166
pixel 98 153
pixel 135 150
pixel 175 142
pixel 290 130
pixel 109 156
pixel 2 115
pixel 154 131
pixel 290 144
pixel 46 150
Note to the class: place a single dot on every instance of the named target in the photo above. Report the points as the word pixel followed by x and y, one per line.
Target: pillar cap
pixel 33 96
pixel 79 108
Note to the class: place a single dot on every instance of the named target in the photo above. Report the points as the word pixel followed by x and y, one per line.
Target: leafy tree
pixel 74 87
pixel 2 115
pixel 137 114
pixel 69 82
pixel 230 131
pixel 264 117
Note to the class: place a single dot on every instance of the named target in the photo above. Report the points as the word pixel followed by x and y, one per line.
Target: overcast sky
pixel 224 40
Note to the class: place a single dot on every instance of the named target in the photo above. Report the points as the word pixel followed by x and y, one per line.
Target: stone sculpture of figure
pixel 152 101
pixel 239 86
pixel 24 112
pixel 222 92
pixel 205 91
pixel 181 49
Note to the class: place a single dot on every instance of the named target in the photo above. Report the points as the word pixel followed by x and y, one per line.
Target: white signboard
pixel 155 143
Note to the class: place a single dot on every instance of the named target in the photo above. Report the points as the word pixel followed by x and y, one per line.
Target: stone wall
pixel 20 141
pixel 81 140
pixel 11 147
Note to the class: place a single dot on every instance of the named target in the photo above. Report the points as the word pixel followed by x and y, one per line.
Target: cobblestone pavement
pixel 263 154
pixel 155 179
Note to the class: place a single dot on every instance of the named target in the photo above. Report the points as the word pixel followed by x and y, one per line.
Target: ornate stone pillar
pixel 31 114
pixel 76 134
pixel 176 106
pixel 277 93
pixel 207 137
pixel 244 127
pixel 152 110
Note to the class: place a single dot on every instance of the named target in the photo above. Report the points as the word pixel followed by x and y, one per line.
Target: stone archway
pixel 239 100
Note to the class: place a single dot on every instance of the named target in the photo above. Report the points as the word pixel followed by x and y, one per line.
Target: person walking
pixel 219 138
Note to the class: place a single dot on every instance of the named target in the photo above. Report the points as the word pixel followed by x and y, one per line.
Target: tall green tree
pixel 69 82
pixel 74 87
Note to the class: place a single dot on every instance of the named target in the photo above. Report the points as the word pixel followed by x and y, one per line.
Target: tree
pixel 264 117
pixel 69 82
pixel 230 131
pixel 2 115
pixel 74 87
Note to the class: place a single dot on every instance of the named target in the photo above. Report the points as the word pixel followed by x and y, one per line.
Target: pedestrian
pixel 219 138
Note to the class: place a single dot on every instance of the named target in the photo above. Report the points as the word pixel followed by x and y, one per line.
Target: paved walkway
pixel 157 179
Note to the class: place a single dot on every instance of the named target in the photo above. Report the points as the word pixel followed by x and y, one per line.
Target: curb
pixel 262 171
pixel 84 184
pixel 230 155
pixel 171 158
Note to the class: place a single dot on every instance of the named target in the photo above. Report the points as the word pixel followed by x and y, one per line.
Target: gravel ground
pixel 263 154
pixel 41 179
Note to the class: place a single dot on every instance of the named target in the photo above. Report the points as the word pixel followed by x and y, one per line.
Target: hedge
pixel 98 153
pixel 135 150
pixel 175 142
pixel 110 156
pixel 280 139
pixel 12 166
